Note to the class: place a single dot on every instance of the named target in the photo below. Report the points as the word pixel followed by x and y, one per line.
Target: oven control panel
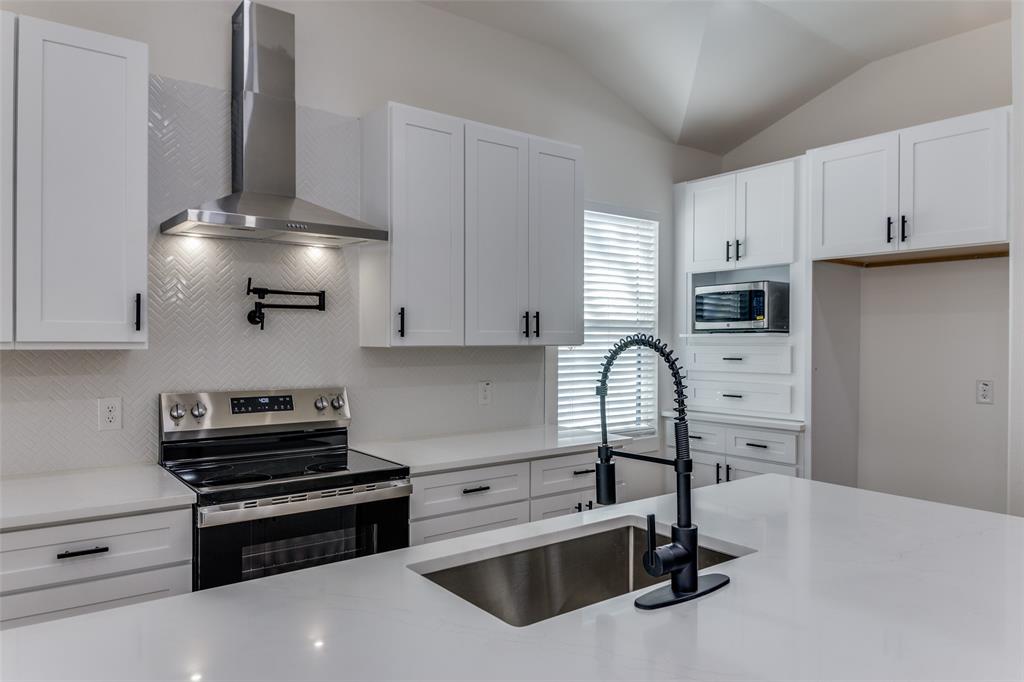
pixel 191 415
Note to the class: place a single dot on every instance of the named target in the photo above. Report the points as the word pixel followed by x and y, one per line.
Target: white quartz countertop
pixel 739 420
pixel 60 497
pixel 444 453
pixel 844 584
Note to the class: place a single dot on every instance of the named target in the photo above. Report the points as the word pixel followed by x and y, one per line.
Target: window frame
pixel 646 442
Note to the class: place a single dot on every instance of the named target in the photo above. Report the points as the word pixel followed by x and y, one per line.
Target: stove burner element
pixel 237 479
pixel 327 466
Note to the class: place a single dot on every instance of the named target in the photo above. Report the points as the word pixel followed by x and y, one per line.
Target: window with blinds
pixel 620 297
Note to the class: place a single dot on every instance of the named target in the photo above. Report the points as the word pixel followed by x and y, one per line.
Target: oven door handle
pixel 253 510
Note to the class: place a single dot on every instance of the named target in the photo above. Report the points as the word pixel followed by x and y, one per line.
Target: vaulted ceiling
pixel 711 73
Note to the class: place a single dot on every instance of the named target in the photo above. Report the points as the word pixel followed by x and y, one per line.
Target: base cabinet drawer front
pixel 707 437
pixel 752 359
pixel 461 490
pixel 760 444
pixel 80 551
pixel 467 523
pixel 737 468
pixel 561 474
pixel 739 397
pixel 708 469
pixel 34 606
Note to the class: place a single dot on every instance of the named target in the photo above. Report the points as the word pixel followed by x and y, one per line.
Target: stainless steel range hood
pixel 263 205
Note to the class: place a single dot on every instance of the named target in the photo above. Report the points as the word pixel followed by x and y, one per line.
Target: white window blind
pixel 620 297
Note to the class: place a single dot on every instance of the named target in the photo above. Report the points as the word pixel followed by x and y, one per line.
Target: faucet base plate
pixel 665 596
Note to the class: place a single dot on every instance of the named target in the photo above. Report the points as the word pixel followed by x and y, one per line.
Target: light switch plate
pixel 108 414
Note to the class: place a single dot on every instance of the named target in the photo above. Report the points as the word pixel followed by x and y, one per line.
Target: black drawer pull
pixel 728 246
pixel 718 472
pixel 590 504
pixel 83 552
pixel 138 312
pixel 738 242
pixel 579 506
pixel 695 436
pixel 757 445
pixel 731 395
pixel 888 230
pixel 903 228
pixel 478 489
pixel 526 324
pixel 728 472
pixel 734 359
pixel 401 322
pixel 580 472
pixel 536 323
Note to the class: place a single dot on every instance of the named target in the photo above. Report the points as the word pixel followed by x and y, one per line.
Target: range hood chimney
pixel 263 205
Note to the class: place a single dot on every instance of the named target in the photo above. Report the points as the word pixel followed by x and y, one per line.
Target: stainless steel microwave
pixel 742 307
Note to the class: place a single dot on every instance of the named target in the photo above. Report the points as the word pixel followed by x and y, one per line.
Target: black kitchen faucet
pixel 679 557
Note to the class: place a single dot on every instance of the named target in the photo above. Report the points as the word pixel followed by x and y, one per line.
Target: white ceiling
pixel 712 73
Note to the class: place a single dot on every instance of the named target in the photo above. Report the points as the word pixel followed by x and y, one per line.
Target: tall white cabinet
pixel 81 188
pixel 486 234
pixel 933 186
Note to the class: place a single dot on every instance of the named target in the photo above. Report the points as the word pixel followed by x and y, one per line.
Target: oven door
pixel 267 545
pixel 730 307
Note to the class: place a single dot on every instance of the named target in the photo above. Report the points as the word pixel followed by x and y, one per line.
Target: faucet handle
pixel 652 537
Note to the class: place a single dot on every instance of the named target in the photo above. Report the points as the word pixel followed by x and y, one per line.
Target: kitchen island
pixel 842 584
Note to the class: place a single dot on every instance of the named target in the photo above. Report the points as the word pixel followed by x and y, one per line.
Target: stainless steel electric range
pixel 277 487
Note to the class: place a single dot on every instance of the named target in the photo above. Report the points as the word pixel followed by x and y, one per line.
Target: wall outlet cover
pixel 109 414
pixel 483 392
pixel 984 390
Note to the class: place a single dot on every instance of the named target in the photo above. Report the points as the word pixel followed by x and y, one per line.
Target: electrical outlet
pixel 109 414
pixel 483 392
pixel 983 392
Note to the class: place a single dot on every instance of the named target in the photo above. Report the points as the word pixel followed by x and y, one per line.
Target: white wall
pixel 958 75
pixel 927 333
pixel 1015 477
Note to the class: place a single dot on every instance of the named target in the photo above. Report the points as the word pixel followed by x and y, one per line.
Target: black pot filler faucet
pixel 680 556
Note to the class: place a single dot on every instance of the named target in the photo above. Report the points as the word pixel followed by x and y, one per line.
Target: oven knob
pixel 177 411
pixel 336 402
pixel 321 403
pixel 198 410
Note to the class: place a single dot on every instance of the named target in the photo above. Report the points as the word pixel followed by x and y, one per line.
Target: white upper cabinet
pixel 954 181
pixel 81 231
pixel 497 236
pixel 740 220
pixel 486 234
pixel 938 185
pixel 709 223
pixel 854 199
pixel 765 215
pixel 556 243
pixel 414 168
pixel 8 48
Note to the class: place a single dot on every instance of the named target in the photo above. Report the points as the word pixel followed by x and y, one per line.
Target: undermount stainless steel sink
pixel 527 586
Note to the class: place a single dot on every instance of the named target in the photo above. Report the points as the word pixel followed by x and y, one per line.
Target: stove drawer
pixel 81 551
pixel 469 489
pixel 48 603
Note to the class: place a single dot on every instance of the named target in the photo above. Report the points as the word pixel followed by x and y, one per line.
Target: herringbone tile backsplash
pixel 199 338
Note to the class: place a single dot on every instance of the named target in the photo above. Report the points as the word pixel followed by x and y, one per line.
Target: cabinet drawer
pixel 760 444
pixel 35 606
pixel 558 505
pixel 466 523
pixel 707 437
pixel 739 396
pixel 750 359
pixel 80 551
pixel 737 469
pixel 561 474
pixel 461 490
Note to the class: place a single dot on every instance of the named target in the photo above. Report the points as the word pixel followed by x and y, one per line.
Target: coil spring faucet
pixel 679 557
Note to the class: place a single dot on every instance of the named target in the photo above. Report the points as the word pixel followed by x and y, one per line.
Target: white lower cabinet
pixel 466 523
pixel 726 452
pixel 62 570
pixel 562 505
pixel 707 469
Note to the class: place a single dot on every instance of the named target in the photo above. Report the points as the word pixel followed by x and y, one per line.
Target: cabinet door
pixel 556 243
pixel 559 505
pixel 736 469
pixel 707 469
pixel 497 236
pixel 765 215
pixel 953 181
pixel 427 228
pixel 854 196
pixel 709 223
pixel 82 186
pixel 8 47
